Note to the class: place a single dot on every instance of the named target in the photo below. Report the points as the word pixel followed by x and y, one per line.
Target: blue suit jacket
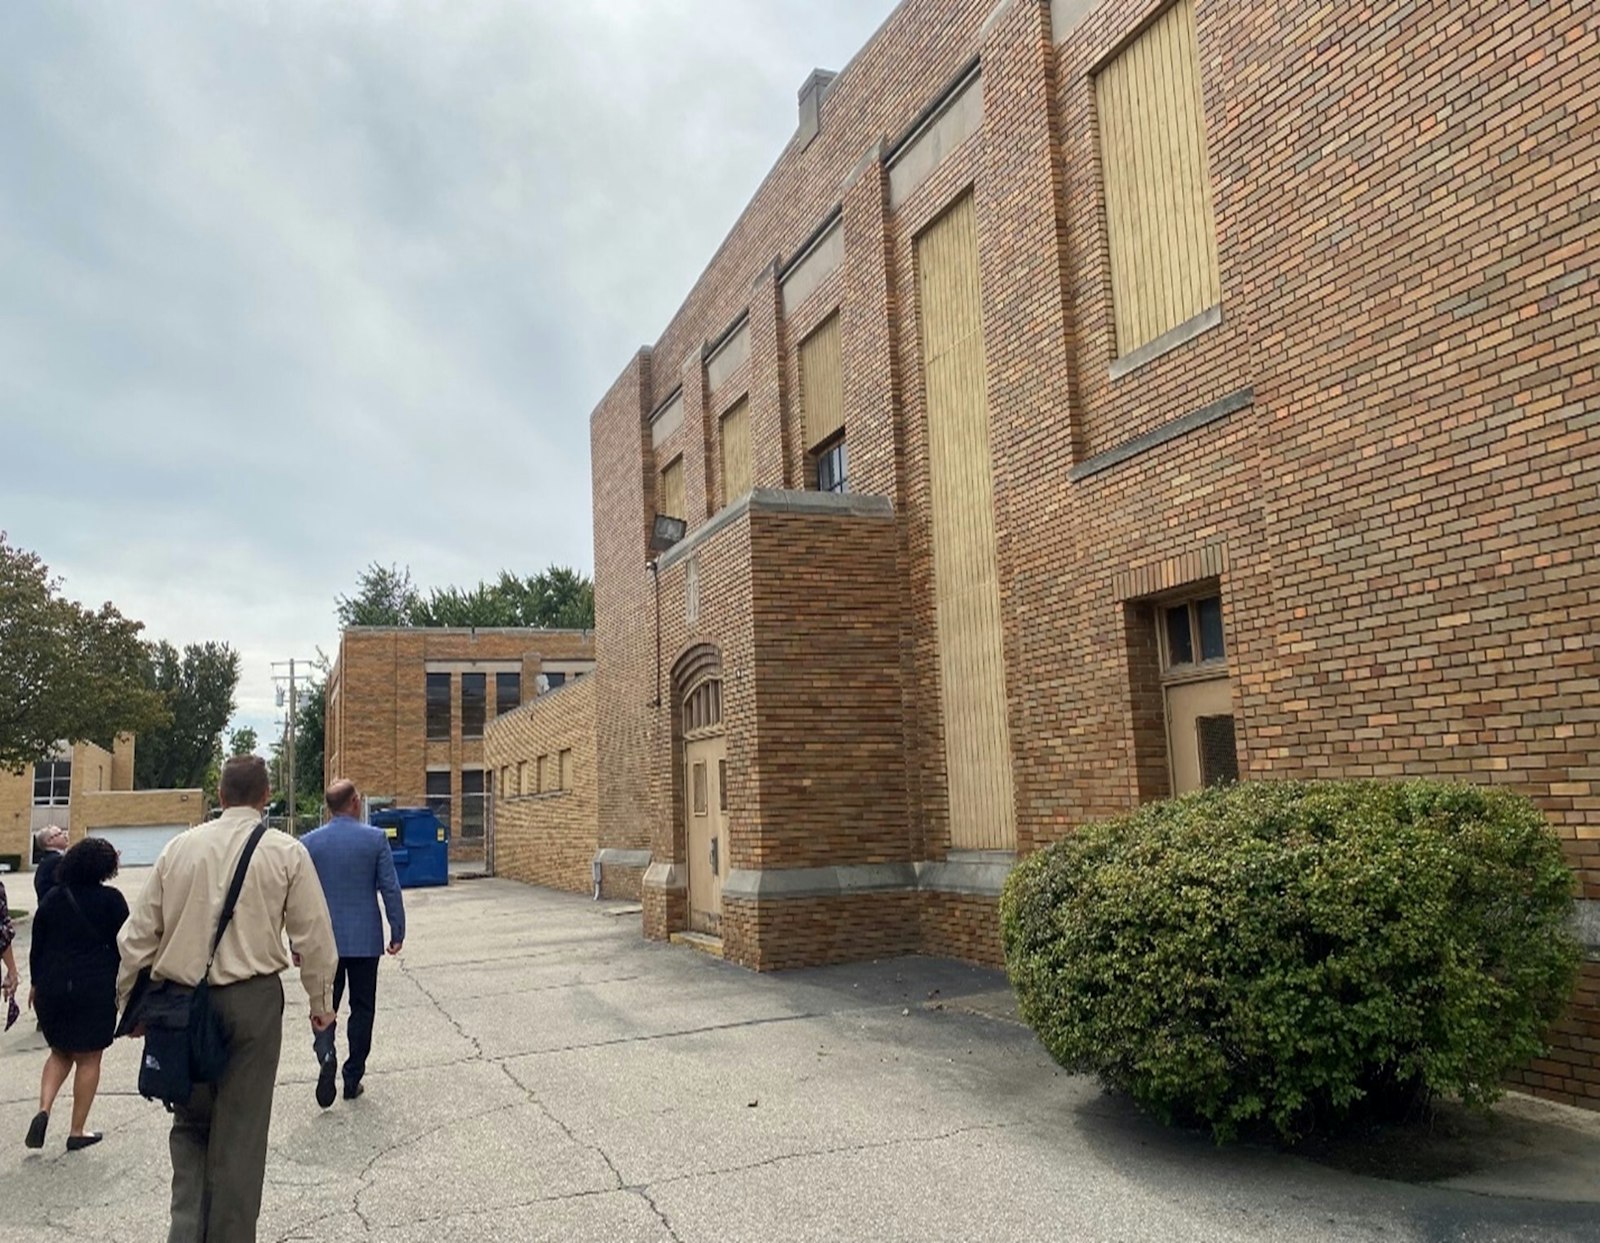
pixel 355 865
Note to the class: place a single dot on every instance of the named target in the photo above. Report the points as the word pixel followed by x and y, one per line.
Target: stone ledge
pixel 979 873
pixel 611 856
pixel 667 876
pixel 778 501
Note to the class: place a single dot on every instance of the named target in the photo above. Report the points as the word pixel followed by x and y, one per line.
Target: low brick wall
pixel 810 932
pixel 964 926
pixel 546 810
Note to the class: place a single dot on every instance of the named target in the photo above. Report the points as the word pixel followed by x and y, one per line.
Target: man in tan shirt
pixel 219 1139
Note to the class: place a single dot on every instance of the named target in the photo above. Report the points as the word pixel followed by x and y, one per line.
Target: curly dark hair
pixel 90 862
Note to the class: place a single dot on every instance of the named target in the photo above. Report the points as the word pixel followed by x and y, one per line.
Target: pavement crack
pixel 572 1136
pixel 644 1194
pixel 477 1048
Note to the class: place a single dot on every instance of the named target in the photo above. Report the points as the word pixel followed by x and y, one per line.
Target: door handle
pixel 715 862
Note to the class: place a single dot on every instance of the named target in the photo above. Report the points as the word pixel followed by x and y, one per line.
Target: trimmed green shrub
pixel 1297 953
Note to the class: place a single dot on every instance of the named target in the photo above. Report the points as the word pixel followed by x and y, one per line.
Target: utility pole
pixel 288 730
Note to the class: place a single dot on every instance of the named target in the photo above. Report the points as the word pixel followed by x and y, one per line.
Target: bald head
pixel 342 797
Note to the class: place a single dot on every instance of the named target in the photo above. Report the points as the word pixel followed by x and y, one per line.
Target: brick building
pixel 544 826
pixel 87 789
pixel 407 708
pixel 1098 399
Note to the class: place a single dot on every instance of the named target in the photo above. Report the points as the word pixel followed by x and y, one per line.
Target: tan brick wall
pixel 113 809
pixel 1397 509
pixel 547 838
pixel 16 815
pixel 377 703
pixel 804 932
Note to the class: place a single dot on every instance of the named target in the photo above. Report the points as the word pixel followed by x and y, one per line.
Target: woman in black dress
pixel 73 963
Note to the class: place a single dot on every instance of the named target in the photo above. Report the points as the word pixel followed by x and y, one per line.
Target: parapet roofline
pixel 469 630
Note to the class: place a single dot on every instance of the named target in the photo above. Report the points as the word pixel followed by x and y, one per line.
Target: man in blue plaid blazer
pixel 355 865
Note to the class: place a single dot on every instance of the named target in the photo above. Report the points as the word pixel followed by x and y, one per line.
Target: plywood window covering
pixel 735 439
pixel 522 777
pixel 672 503
pixel 564 769
pixel 977 733
pixel 541 774
pixel 822 382
pixel 1158 186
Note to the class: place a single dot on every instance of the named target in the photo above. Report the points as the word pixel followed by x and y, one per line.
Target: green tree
pixel 556 598
pixel 66 672
pixel 197 687
pixel 385 596
pixel 242 741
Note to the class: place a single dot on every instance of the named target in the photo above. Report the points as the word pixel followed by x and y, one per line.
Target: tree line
pixel 74 674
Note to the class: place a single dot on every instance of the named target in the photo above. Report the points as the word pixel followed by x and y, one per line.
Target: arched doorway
pixel 697 681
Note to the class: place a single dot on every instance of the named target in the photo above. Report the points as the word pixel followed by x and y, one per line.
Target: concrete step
pixel 701 941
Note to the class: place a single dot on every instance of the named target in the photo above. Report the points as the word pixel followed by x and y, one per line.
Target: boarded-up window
pixel 564 769
pixel 541 774
pixel 965 564
pixel 822 382
pixel 1157 181
pixel 522 777
pixel 672 503
pixel 736 452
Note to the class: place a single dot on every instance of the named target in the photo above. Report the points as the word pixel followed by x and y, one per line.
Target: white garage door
pixel 140 846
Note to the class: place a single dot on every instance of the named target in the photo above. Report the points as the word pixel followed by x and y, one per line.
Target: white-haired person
pixel 50 843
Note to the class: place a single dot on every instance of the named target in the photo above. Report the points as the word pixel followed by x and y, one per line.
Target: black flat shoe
pixel 325 1084
pixel 36 1130
pixel 75 1142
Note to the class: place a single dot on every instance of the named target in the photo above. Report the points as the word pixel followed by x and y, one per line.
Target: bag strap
pixel 234 890
pixel 88 923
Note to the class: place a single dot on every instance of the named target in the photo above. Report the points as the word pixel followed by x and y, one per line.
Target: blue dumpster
pixel 421 845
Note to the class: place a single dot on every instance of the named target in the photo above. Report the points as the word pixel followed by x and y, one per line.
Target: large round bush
pixel 1295 952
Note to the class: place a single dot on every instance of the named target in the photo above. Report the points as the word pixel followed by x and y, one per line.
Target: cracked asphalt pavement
pixel 540 1072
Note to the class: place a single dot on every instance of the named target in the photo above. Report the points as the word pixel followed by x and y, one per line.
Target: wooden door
pixel 705 807
pixel 1200 734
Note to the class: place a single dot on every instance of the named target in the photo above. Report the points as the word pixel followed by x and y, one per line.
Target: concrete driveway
pixel 541 1073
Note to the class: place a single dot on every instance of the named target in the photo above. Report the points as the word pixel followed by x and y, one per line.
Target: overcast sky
pixel 291 286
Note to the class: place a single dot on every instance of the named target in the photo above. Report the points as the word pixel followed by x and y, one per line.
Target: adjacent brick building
pixel 87 789
pixel 1098 399
pixel 407 708
pixel 544 826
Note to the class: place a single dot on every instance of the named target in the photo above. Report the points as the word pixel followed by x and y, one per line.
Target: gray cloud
pixel 289 286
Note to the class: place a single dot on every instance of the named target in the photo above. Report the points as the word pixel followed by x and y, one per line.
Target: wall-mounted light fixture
pixel 666 531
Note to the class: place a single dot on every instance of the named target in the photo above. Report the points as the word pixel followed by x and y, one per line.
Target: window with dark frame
pixel 833 466
pixel 474 703
pixel 52 783
pixel 438 707
pixel 553 679
pixel 472 799
pixel 507 692
pixel 1192 635
pixel 439 786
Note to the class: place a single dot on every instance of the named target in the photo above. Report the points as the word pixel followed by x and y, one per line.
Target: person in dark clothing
pixel 52 842
pixel 74 963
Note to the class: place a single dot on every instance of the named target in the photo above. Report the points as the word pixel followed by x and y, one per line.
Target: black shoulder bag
pixel 184 1041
